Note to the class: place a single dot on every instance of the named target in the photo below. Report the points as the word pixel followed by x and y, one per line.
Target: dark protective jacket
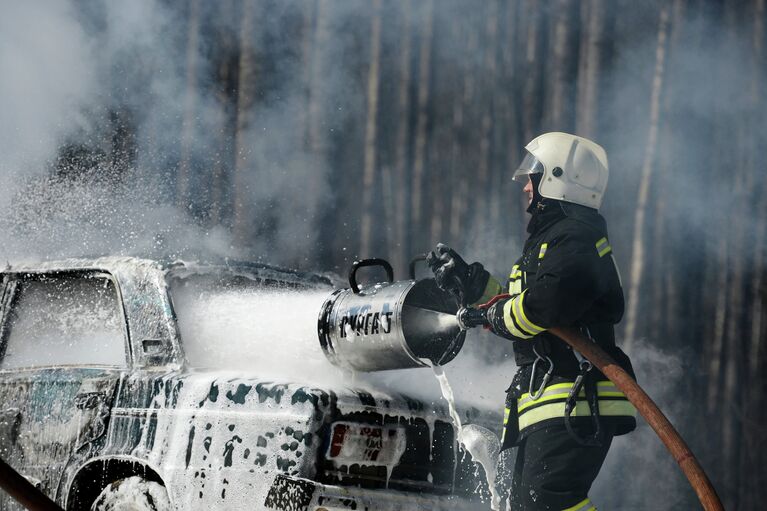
pixel 566 277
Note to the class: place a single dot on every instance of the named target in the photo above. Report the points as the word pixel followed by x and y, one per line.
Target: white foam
pixel 480 442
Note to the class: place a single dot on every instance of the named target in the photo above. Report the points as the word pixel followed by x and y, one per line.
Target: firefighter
pixel 561 413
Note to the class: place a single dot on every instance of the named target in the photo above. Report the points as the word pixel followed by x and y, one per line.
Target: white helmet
pixel 574 168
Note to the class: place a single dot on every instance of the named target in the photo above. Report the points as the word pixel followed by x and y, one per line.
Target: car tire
pixel 132 494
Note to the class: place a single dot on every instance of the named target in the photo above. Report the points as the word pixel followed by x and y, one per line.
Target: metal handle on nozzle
pixel 356 265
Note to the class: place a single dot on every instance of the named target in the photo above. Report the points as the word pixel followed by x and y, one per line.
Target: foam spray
pixel 481 443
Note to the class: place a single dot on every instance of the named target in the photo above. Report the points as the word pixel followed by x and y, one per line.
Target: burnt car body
pixel 97 386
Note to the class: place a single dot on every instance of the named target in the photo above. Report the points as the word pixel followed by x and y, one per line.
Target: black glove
pixel 469 317
pixel 453 274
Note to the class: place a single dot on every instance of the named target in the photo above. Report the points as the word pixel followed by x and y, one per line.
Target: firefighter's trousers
pixel 554 472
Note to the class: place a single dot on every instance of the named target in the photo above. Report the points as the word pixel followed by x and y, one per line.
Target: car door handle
pixel 89 400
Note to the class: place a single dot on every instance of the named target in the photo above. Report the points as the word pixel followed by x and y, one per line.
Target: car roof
pixel 177 269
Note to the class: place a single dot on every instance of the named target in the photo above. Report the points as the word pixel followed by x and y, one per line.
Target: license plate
pixel 365 444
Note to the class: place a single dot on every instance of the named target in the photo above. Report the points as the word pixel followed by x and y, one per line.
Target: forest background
pixel 312 133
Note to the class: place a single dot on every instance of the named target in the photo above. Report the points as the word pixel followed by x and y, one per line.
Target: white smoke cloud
pixel 639 460
pixel 64 64
pixel 47 76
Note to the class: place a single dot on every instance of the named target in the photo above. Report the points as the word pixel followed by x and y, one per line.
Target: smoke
pixel 46 79
pixel 708 107
pixel 59 218
pixel 75 76
pixel 66 191
pixel 639 461
pixel 479 376
pixel 272 333
pixel 72 74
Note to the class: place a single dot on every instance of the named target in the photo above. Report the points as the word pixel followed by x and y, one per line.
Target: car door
pixel 63 347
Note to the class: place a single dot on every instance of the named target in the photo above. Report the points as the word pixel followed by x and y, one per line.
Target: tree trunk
pixel 441 168
pixel 246 73
pixel 401 149
pixel 419 163
pixel 718 332
pixel 760 240
pixel 515 141
pixel 485 192
pixel 188 122
pixel 500 175
pixel 462 171
pixel 662 278
pixel 734 359
pixel 368 177
pixel 317 138
pixel 753 460
pixel 637 253
pixel 308 17
pixel 557 65
pixel 589 66
pixel 532 70
pixel 226 121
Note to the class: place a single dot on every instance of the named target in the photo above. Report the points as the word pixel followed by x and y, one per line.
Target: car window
pixel 63 319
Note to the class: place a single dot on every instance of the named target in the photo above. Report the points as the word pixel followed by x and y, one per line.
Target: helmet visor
pixel 529 165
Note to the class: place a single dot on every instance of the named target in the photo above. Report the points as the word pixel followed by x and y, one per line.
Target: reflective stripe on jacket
pixel 566 277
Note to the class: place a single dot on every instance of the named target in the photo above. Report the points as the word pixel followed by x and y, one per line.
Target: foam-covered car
pixel 112 392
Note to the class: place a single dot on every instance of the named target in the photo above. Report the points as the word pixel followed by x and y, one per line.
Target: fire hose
pixel 650 411
pixel 641 401
pixel 24 492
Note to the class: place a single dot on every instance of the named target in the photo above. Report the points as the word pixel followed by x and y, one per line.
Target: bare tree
pixel 461 110
pixel 246 74
pixel 424 79
pixel 188 122
pixel 515 55
pixel 317 139
pixel 637 253
pixel 662 282
pixel 750 487
pixel 225 120
pixel 589 65
pixel 486 126
pixel 531 68
pixel 403 135
pixel 760 239
pixel 368 177
pixel 556 64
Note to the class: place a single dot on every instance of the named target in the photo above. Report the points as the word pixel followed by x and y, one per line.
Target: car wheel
pixel 132 494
